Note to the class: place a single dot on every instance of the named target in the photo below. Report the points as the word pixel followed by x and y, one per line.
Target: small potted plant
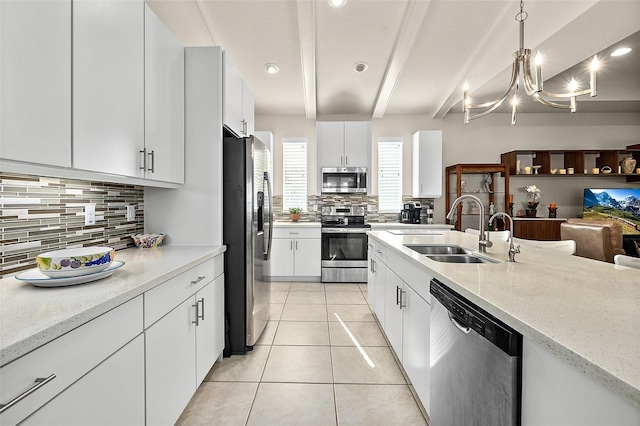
pixel 294 213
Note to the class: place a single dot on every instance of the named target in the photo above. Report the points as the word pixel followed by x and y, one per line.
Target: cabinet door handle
pixel 346 160
pixel 40 382
pixel 341 160
pixel 398 295
pixel 198 280
pixel 152 154
pixel 201 316
pixel 291 245
pixel 144 159
pixel 402 298
pixel 378 251
pixel 296 245
pixel 421 190
pixel 197 320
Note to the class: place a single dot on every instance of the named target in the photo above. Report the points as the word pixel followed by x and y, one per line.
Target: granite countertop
pixel 32 316
pixel 584 311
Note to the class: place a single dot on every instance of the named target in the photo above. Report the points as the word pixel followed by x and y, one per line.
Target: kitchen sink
pixel 461 258
pixel 439 249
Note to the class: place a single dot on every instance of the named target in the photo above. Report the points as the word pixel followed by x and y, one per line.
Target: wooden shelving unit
pixel 579 160
pixel 497 170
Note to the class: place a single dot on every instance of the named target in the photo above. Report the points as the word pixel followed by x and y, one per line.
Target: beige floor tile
pixel 275 311
pixel 299 364
pixel 280 285
pixel 363 288
pixel 374 365
pixel 240 368
pixel 219 403
pixel 307 297
pixel 341 287
pixel 364 334
pixel 377 405
pixel 269 332
pixel 279 296
pixel 349 313
pixel 302 286
pixel 295 333
pixel 293 404
pixel 345 298
pixel 295 312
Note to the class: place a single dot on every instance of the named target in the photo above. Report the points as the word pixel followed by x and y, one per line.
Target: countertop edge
pixel 30 343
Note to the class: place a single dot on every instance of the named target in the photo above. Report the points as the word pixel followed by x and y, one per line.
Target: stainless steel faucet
pixel 512 249
pixel 483 242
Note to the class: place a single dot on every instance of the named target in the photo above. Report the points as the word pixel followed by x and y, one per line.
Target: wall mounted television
pixel 621 204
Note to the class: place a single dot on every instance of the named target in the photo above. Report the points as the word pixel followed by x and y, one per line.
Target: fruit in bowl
pixel 74 262
pixel 148 240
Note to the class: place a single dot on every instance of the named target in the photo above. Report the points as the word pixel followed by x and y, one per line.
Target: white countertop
pixel 399 225
pixel 289 224
pixel 584 311
pixel 32 316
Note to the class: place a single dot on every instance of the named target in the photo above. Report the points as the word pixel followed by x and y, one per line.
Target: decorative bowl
pixel 606 170
pixel 74 262
pixel 148 240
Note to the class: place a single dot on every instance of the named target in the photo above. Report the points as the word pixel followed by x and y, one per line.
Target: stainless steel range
pixel 344 245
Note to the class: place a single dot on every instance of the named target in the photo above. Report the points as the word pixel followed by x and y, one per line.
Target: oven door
pixel 344 248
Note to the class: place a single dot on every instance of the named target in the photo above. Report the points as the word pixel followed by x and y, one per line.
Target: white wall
pixel 483 141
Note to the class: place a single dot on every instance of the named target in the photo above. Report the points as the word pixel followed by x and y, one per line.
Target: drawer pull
pixel 40 382
pixel 201 316
pixel 198 280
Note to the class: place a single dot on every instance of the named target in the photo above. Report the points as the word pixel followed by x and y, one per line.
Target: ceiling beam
pixel 409 29
pixel 307 36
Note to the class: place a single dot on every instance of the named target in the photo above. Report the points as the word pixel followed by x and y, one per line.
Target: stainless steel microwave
pixel 352 180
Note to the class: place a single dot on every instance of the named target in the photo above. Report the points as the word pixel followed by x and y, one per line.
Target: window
pixel 294 164
pixel 390 174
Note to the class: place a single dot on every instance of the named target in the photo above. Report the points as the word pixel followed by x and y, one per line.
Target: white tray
pixel 38 279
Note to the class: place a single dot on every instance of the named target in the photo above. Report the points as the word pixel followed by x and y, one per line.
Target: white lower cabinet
pixel 416 344
pixel 170 359
pixel 184 343
pixel 110 394
pixel 399 291
pixel 296 253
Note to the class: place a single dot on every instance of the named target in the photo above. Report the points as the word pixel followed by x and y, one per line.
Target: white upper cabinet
pixel 427 164
pixel 35 81
pixel 108 86
pixel 164 102
pixel 344 144
pixel 237 100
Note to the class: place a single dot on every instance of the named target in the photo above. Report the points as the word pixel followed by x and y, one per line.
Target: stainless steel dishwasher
pixel 476 364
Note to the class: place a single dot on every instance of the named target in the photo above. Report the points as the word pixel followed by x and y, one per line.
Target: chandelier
pixel 521 70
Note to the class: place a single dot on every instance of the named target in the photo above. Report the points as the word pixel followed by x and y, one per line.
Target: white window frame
pixel 390 150
pixel 294 160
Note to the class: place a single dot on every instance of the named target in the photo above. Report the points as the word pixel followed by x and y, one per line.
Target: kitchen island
pixel 579 319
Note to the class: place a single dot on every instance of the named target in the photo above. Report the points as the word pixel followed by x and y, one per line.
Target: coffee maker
pixel 410 212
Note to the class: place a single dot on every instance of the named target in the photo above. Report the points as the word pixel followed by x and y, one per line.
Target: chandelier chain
pixel 522 15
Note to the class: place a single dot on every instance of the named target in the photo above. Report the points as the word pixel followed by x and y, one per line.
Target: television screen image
pixel 621 204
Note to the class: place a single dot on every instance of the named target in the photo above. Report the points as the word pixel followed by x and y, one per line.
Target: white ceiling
pixel 418 52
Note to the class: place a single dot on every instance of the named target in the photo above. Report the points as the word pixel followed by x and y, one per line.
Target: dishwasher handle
pixel 462 327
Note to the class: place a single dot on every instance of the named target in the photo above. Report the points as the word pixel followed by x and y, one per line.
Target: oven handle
pixel 344 230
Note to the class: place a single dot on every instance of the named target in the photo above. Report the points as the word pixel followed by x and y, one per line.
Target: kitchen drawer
pixel 161 299
pixel 378 249
pixel 289 232
pixel 69 357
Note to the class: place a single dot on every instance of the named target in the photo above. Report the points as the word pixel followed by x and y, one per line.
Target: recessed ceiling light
pixel 337 3
pixel 271 68
pixel 361 67
pixel 621 51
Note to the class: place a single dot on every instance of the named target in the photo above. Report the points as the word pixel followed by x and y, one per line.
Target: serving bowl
pixel 74 262
pixel 148 240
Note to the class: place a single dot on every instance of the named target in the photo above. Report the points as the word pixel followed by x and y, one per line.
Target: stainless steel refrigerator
pixel 247 233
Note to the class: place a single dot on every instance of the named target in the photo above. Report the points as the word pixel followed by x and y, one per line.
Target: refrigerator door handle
pixel 270 234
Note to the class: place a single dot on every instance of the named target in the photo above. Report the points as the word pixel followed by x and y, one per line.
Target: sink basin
pixel 439 249
pixel 461 258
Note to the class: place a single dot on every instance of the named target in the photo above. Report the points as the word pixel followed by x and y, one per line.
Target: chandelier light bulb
pixel 337 3
pixel 465 86
pixel 595 63
pixel 573 85
pixel 539 58
pixel 621 51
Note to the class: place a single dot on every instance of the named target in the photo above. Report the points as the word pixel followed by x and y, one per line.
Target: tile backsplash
pixel 39 214
pixel 369 202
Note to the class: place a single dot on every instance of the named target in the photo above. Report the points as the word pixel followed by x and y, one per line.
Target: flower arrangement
pixel 533 197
